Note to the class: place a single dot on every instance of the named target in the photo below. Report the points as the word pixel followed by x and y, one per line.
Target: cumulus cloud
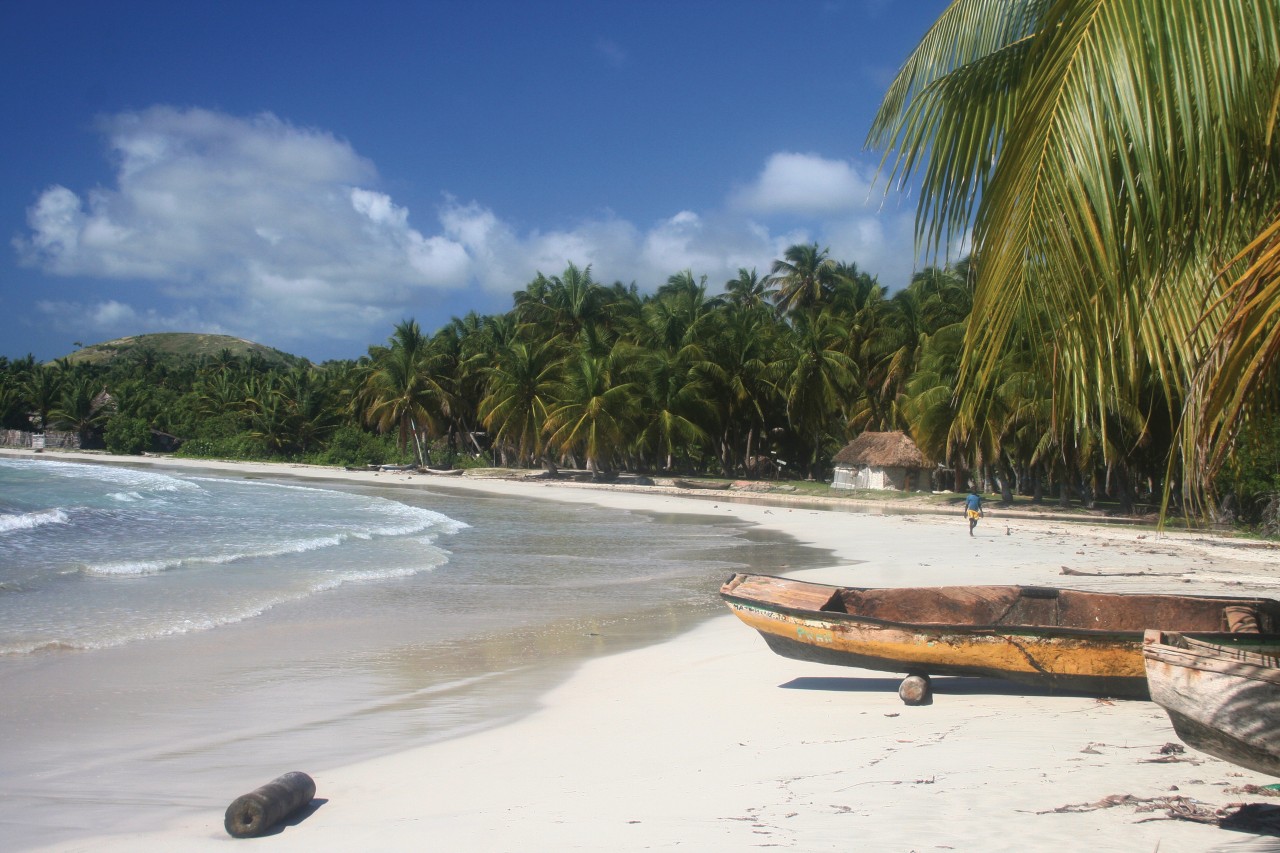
pixel 805 184
pixel 264 229
pixel 255 212
pixel 110 318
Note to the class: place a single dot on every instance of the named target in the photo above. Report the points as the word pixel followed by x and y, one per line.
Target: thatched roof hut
pixel 881 460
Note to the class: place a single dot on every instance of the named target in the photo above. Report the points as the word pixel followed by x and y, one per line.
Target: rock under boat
pixel 1061 639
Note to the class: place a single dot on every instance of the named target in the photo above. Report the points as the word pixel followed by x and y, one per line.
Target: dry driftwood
pixel 1078 573
pixel 258 811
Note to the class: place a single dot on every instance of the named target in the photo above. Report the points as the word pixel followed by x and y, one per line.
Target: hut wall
pixel 875 477
pixel 52 439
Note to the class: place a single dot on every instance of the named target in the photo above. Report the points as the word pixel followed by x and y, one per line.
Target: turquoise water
pixel 93 556
pixel 168 639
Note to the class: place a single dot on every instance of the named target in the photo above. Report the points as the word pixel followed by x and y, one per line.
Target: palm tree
pixel 816 377
pixel 736 360
pixel 1109 159
pixel 805 276
pixel 83 406
pixel 675 401
pixel 517 399
pixel 593 410
pixel 748 290
pixel 402 389
pixel 572 305
pixel 42 390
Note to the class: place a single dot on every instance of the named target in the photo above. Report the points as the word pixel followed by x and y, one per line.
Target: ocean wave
pixel 375 575
pixel 137 568
pixel 212 621
pixel 150 481
pixel 126 497
pixel 29 520
pixel 364 516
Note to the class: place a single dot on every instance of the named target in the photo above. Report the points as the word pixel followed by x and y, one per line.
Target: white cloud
pixel 280 233
pixel 805 184
pixel 111 318
pixel 206 200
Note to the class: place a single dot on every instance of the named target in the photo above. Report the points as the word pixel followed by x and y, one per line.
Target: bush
pixel 350 445
pixel 241 446
pixel 127 436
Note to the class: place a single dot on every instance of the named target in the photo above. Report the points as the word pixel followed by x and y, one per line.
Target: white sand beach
pixel 712 742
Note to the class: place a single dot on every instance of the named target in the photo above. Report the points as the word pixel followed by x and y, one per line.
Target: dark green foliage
pixel 680 381
pixel 351 445
pixel 127 436
pixel 1251 479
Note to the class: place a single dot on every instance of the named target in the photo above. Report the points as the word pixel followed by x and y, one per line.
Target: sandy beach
pixel 712 742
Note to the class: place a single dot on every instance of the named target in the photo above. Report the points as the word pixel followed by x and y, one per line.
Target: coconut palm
pixel 736 359
pixel 816 377
pixel 403 390
pixel 83 406
pixel 806 277
pixel 517 398
pixel 593 409
pixel 1109 157
pixel 749 290
pixel 42 389
pixel 572 305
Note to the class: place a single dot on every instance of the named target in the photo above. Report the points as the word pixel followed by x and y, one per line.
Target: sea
pixel 170 639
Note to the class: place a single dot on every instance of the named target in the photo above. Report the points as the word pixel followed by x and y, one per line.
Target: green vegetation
pixel 170 345
pixel 1117 167
pixel 1112 339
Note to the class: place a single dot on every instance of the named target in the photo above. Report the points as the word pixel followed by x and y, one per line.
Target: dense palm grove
pixel 768 376
pixel 769 372
pixel 1114 166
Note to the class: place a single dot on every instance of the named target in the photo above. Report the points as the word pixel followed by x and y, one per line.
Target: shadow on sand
pixel 297 817
pixel 942 686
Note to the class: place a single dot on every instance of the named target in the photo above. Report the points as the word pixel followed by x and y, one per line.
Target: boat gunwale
pixel 976 629
pixel 1212 657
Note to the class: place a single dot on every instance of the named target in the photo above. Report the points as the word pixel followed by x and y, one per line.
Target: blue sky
pixel 307 174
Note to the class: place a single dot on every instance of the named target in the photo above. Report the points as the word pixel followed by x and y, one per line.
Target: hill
pixel 181 345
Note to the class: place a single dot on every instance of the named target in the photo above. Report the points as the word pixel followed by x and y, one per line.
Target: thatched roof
pixel 882 449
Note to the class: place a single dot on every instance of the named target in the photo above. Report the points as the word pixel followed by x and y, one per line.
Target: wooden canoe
pixel 1221 700
pixel 1061 639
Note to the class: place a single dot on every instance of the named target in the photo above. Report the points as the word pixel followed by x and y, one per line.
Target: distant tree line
pixel 769 376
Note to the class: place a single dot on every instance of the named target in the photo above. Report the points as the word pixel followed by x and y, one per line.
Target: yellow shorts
pixel 973 513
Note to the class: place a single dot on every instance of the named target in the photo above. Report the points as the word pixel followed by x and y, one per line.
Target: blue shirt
pixel 973 502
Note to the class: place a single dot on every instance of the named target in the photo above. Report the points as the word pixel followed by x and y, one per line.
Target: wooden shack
pixel 882 460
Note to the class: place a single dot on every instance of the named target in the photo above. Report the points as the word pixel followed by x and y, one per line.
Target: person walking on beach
pixel 973 509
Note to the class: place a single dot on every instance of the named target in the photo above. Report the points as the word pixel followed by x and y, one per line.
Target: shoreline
pixel 710 741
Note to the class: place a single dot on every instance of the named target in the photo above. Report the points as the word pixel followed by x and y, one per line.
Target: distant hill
pixel 181 345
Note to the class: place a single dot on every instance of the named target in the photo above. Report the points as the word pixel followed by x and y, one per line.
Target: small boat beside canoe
pixel 1061 639
pixel 1221 700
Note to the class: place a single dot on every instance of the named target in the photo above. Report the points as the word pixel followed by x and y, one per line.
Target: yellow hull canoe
pixel 1060 639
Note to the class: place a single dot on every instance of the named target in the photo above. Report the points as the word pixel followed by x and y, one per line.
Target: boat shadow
pixel 943 685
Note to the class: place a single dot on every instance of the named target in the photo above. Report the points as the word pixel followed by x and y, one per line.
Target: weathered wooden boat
pixel 1223 700
pixel 1061 639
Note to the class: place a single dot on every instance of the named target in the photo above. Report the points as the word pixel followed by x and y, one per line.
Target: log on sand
pixel 258 811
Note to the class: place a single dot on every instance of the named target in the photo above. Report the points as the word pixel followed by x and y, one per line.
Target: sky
pixel 308 174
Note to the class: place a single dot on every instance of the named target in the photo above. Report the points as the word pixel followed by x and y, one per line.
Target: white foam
pixel 30 520
pixel 151 481
pixel 137 568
